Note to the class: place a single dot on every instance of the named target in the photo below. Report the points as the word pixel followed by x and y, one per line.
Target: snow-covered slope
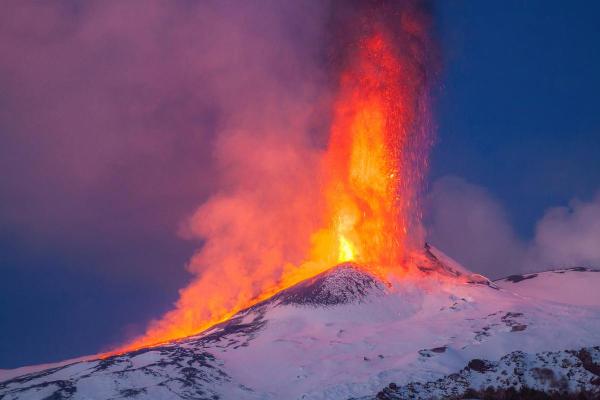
pixel 577 286
pixel 566 371
pixel 346 334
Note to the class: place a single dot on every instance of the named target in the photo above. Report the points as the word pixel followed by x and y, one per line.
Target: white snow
pixel 415 331
pixel 564 286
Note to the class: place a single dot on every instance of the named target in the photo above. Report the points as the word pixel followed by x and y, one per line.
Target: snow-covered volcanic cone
pixel 346 334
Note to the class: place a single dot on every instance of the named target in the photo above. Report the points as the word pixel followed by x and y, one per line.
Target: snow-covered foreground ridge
pixel 346 334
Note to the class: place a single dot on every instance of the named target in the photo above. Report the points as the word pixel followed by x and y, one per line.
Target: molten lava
pixel 369 165
pixel 369 183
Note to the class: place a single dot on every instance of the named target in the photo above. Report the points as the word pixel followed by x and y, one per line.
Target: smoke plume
pixel 467 222
pixel 567 236
pixel 120 118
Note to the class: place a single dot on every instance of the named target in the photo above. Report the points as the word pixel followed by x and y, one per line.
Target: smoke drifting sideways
pixel 119 118
pixel 109 109
pixel 472 226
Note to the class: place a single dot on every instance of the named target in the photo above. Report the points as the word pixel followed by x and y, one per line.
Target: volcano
pixel 347 333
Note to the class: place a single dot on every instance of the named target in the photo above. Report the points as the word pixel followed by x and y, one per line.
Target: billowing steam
pixel 287 207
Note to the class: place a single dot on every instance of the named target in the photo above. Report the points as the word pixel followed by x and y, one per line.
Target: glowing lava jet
pixel 376 156
pixel 370 177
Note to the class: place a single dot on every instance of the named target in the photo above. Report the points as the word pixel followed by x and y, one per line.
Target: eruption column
pixel 375 160
pixel 368 187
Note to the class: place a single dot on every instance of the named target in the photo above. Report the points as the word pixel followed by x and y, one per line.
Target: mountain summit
pixel 343 284
pixel 347 334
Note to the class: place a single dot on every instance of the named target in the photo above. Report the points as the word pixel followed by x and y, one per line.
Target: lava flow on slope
pixel 369 180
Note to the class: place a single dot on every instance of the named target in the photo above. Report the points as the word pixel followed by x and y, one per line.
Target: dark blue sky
pixel 517 111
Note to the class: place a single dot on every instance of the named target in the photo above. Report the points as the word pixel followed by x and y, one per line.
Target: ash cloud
pixel 568 236
pixel 467 222
pixel 111 110
pixel 117 119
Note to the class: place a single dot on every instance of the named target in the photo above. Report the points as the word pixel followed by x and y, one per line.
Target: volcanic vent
pixel 345 283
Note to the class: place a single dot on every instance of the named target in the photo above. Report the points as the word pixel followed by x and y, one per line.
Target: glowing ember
pixel 371 172
pixel 346 250
pixel 366 196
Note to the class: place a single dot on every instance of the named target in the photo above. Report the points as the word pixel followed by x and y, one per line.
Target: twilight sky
pixel 108 118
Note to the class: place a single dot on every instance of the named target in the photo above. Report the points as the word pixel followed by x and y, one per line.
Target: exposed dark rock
pixel 435 265
pixel 343 284
pixel 479 365
pixel 132 392
pixel 517 375
pixel 519 278
pixel 187 371
pixel 518 328
pixel 588 362
pixel 525 393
